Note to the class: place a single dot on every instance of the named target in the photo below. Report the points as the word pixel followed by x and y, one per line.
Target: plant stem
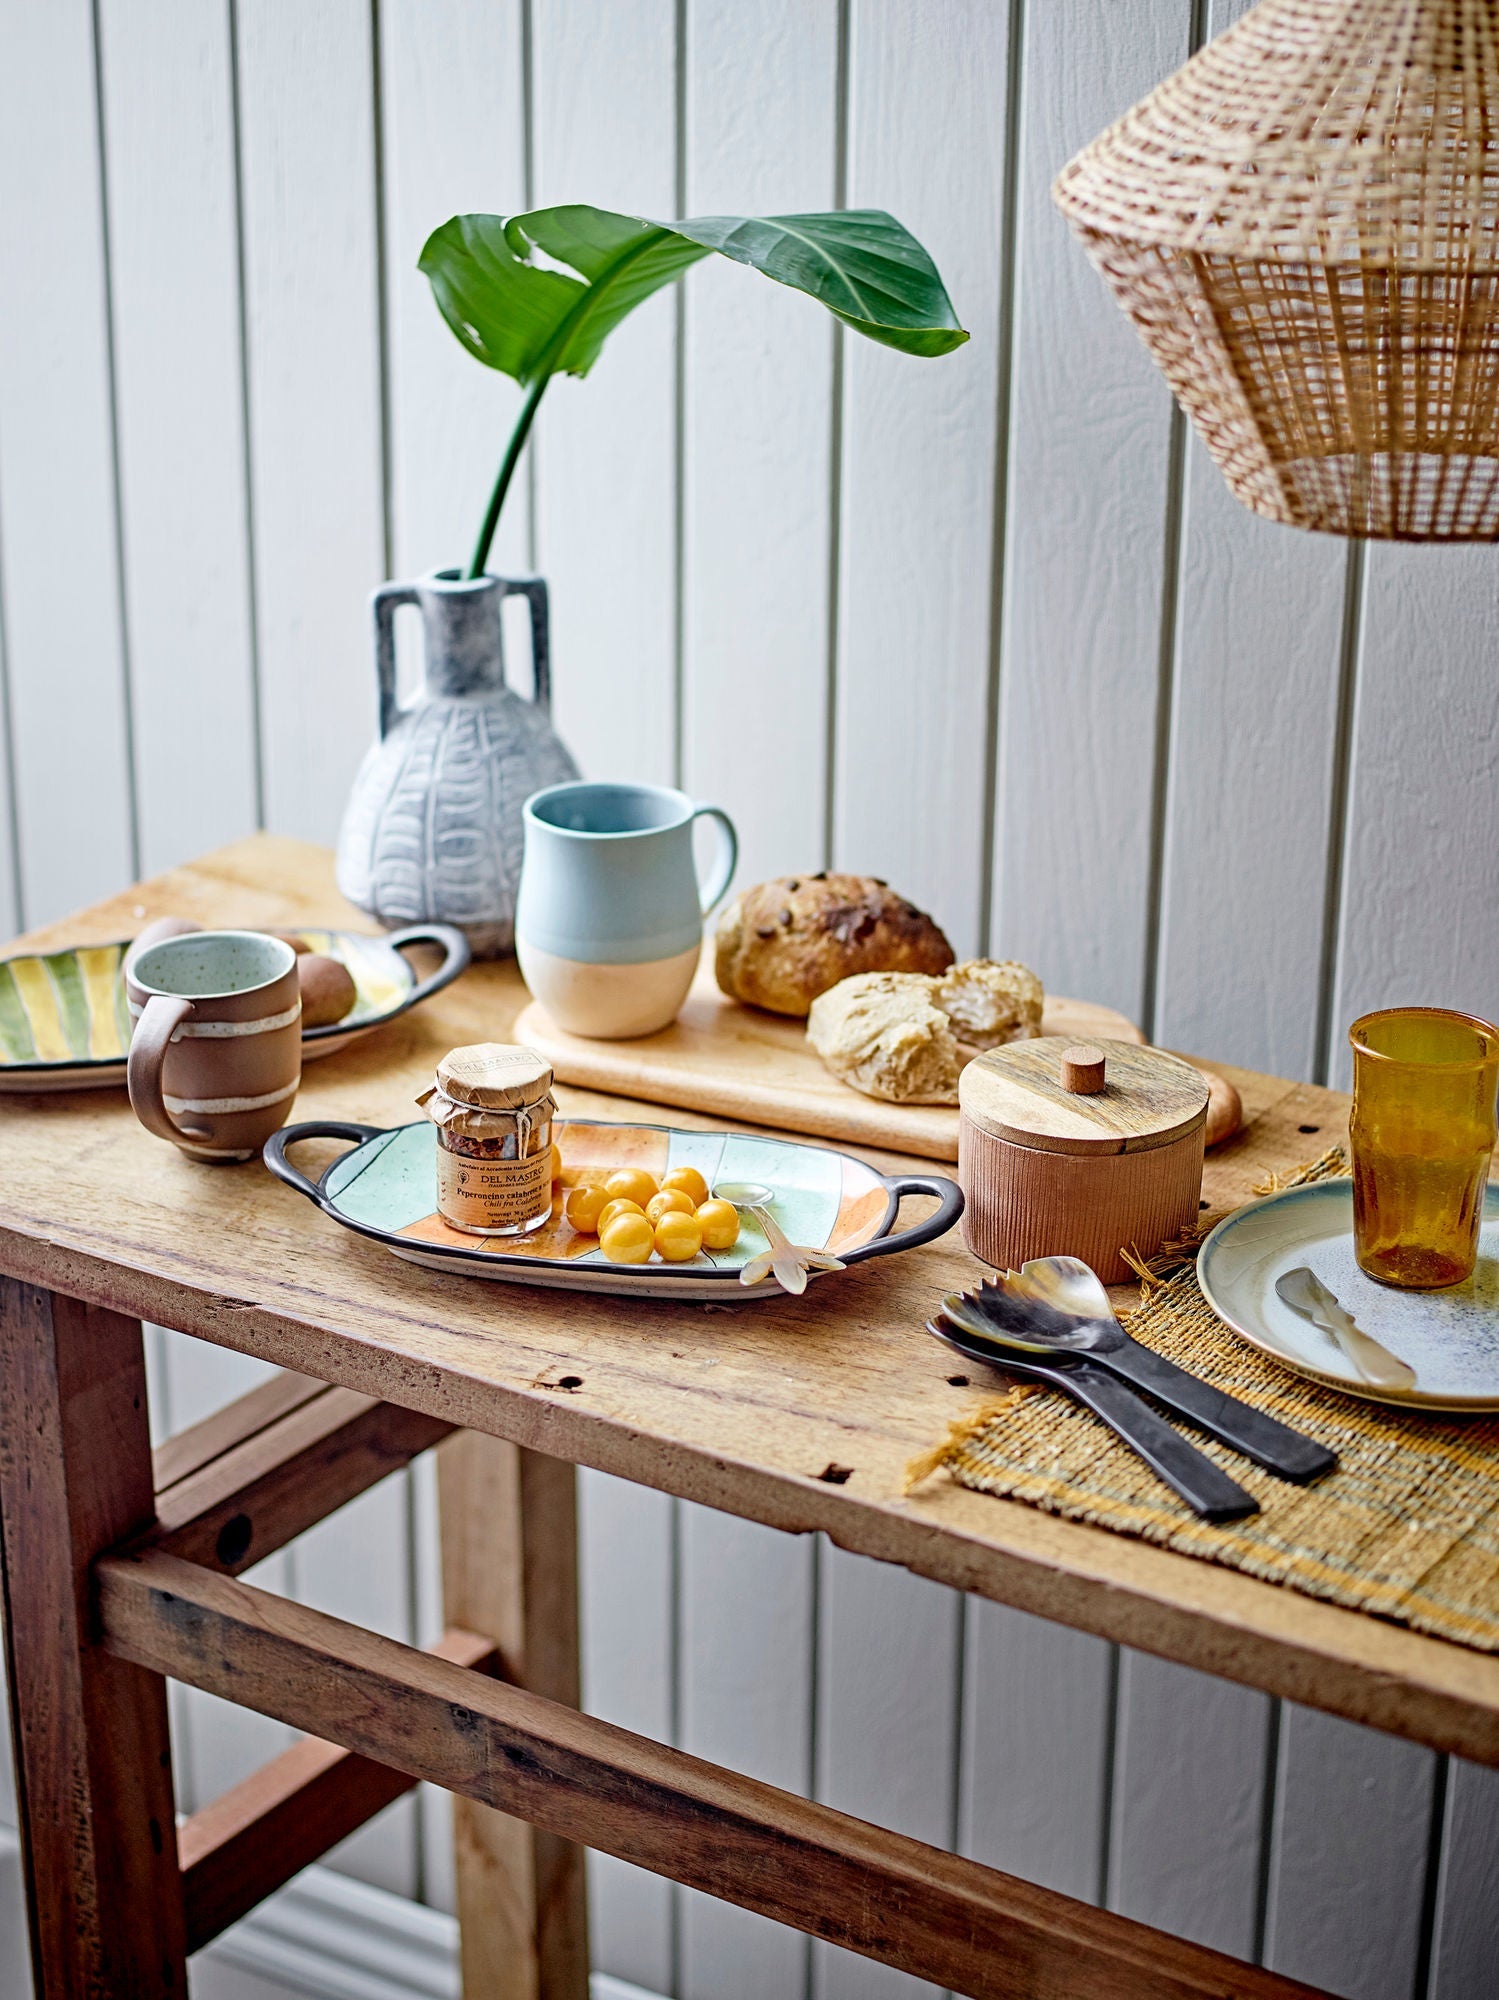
pixel 506 473
pixel 553 352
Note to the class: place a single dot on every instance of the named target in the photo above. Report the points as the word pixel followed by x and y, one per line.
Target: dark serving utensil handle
pixel 1207 1490
pixel 1268 1442
pixel 941 1219
pixel 274 1150
pixel 1205 1487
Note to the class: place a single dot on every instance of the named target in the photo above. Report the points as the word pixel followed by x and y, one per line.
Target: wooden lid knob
pixel 1082 1069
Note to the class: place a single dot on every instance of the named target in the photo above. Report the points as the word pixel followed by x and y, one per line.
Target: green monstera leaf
pixel 505 287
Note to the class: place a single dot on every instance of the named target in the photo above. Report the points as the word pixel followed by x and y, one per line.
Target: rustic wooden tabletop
pixel 744 1407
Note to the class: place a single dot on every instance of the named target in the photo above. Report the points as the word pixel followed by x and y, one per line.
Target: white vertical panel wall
pixel 991 627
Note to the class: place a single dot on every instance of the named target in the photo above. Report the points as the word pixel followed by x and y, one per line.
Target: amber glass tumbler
pixel 1424 1082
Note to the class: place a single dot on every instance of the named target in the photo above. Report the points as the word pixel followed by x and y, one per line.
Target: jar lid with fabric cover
pixel 492 1106
pixel 495 1076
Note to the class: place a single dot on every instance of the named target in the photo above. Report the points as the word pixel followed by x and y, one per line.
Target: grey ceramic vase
pixel 433 829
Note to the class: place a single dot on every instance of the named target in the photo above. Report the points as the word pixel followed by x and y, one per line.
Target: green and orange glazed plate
pixel 385 1188
pixel 65 1022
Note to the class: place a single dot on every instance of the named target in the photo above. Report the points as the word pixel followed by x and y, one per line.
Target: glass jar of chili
pixel 492 1106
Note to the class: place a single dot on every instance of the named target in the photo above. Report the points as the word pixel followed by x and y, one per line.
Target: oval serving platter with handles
pixel 386 1189
pixel 65 1022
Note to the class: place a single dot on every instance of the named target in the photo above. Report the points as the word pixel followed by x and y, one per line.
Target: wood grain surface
pixel 743 1063
pixel 510 1570
pixel 1147 1098
pixel 93 1757
pixel 743 1409
pixel 249 1840
pixel 881 1894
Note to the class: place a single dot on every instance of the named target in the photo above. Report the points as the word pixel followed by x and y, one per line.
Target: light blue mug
pixel 609 918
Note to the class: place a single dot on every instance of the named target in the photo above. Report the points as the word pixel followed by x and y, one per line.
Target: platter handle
pixel 941 1219
pixel 456 953
pixel 274 1150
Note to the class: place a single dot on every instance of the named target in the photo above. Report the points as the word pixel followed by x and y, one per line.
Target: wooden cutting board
pixel 740 1063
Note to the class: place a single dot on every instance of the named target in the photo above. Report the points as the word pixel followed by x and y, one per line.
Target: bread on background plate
pixel 904 1036
pixel 781 943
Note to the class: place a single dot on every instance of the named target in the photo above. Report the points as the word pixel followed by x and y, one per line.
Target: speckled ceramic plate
pixel 65 1025
pixel 386 1188
pixel 1450 1338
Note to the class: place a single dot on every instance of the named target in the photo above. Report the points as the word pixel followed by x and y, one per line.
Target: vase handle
pixel 385 602
pixel 534 588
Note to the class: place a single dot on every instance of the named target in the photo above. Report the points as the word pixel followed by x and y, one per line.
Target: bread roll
pixel 990 1002
pixel 783 942
pixel 880 1032
pixel 904 1036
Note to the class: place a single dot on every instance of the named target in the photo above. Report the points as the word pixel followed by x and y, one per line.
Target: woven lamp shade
pixel 1303 224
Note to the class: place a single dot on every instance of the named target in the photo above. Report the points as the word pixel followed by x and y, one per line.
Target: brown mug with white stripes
pixel 216 1052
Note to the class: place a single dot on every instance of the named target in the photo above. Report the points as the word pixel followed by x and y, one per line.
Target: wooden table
pixel 118 1573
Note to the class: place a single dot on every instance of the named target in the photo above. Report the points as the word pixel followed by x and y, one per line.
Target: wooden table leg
pixel 93 1762
pixel 510 1572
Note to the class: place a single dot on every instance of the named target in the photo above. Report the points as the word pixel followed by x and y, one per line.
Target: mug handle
pixel 728 856
pixel 162 1017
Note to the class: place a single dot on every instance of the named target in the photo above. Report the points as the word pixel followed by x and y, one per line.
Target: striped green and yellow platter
pixel 65 1022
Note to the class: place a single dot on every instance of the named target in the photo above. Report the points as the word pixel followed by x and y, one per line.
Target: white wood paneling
pixel 1037 1734
pixel 312 320
pixel 10 869
pixel 1349 1855
pixel 762 121
pixel 889 1654
pixel 746 1644
pixel 58 570
pixel 434 1806
pixel 1087 535
pixel 452 95
pixel 627 1581
pixel 1188 1803
pixel 605 90
pixel 914 639
pixel 1423 827
pixel 1465 1939
pixel 1257 665
pixel 169 152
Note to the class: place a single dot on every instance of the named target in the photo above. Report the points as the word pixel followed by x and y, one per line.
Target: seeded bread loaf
pixel 783 942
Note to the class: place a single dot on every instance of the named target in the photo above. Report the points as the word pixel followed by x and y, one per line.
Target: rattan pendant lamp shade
pixel 1303 224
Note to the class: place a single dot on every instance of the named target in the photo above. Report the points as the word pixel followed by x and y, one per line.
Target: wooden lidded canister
pixel 1078 1150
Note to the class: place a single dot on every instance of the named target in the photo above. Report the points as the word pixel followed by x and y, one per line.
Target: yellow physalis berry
pixel 679 1235
pixel 556 1161
pixel 612 1208
pixel 719 1221
pixel 584 1207
pixel 690 1181
pixel 632 1184
pixel 627 1238
pixel 668 1201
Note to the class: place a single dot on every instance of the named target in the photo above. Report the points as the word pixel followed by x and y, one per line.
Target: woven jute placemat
pixel 1407 1527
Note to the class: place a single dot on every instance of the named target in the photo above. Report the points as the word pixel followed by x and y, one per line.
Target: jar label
pixel 493 1194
